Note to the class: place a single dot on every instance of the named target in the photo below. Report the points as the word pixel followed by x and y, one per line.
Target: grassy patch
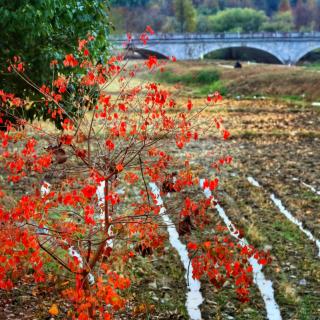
pixel 288 293
pixel 287 230
pixel 200 77
pixel 313 66
pixel 293 98
pixel 309 305
pixel 210 88
pixel 200 82
pixel 308 195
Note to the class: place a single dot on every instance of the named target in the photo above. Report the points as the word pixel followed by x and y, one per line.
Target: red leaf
pixel 192 246
pixel 262 261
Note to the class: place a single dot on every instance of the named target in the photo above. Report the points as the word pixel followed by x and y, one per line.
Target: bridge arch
pixel 304 52
pixel 145 52
pixel 257 48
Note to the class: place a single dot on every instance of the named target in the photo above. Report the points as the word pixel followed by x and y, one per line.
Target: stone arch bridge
pixel 287 48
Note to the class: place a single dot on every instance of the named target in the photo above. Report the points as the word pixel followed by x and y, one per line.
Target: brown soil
pixel 277 144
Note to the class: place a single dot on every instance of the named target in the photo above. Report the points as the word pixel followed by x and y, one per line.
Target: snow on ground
pixel 278 203
pixel 194 296
pixel 265 286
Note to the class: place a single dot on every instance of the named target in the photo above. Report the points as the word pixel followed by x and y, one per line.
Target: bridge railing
pixel 226 36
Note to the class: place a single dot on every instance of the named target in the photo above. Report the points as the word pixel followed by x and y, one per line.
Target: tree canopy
pixel 42 30
pixel 281 22
pixel 185 15
pixel 237 19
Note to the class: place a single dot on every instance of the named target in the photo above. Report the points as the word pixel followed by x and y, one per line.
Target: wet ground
pixel 277 144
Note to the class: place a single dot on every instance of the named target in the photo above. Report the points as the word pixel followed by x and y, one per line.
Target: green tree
pixel 281 21
pixel 185 15
pixel 237 20
pixel 203 23
pixel 42 30
pixel 118 18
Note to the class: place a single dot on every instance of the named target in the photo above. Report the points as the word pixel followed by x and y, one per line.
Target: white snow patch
pixel 288 214
pixel 294 220
pixel 121 191
pixel 100 193
pixel 44 191
pixel 101 201
pixel 254 182
pixel 75 254
pixel 194 296
pixel 264 285
pixel 313 189
pixel 45 188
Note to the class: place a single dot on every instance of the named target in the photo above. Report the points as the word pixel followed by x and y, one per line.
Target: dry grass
pixel 289 292
pixel 267 80
pixel 254 234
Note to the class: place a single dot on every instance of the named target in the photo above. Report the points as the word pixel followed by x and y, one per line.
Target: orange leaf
pixel 119 167
pixel 54 311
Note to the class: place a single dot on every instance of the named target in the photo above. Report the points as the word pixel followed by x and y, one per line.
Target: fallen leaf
pixel 54 311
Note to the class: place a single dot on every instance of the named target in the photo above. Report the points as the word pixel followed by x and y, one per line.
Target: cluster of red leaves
pixel 9 97
pixel 70 61
pixel 17 64
pixel 19 250
pixel 20 163
pixel 106 287
pixel 215 259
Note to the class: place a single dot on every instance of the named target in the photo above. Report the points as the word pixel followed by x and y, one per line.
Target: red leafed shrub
pixel 221 259
pixel 76 209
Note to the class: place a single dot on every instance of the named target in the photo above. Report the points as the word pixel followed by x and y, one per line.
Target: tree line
pixel 216 15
